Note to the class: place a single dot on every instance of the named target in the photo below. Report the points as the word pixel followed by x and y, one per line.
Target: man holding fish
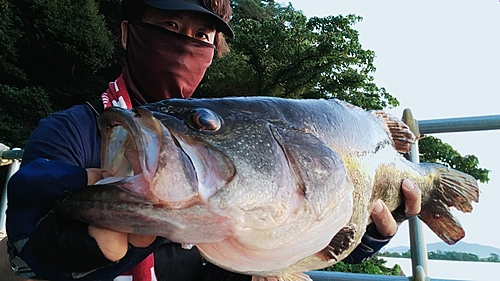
pixel 169 44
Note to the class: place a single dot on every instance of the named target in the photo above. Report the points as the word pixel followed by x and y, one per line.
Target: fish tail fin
pixel 401 135
pixel 451 189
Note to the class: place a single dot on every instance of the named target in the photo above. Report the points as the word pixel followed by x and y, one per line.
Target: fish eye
pixel 203 119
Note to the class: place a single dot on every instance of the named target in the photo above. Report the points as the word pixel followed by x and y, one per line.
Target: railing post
pixel 6 157
pixel 417 240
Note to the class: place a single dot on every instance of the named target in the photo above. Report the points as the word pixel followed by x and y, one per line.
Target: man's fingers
pixel 140 241
pixel 106 174
pixel 413 198
pixel 113 244
pixel 93 175
pixel 382 218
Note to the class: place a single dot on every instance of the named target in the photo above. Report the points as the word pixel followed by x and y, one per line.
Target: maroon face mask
pixel 163 64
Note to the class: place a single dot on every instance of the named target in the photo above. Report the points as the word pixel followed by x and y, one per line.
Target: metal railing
pixel 13 158
pixel 419 128
pixel 341 276
pixel 462 124
pixel 417 241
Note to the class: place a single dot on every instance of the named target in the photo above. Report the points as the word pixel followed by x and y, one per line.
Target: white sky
pixel 442 60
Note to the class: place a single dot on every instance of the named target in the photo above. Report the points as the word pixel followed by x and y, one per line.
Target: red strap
pixel 116 94
pixel 144 271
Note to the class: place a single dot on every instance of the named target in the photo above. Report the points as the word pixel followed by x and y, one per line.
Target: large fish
pixel 262 186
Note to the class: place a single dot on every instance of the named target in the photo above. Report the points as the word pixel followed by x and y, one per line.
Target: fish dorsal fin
pixel 341 242
pixel 400 133
pixel 297 276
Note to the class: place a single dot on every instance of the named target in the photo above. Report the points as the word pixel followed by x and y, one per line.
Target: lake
pixel 454 270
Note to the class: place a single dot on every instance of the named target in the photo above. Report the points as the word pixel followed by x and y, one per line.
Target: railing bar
pixel 13 167
pixel 342 276
pixel 461 124
pixel 14 154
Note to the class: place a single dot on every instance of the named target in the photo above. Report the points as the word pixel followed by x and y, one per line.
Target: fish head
pixel 157 155
pixel 178 152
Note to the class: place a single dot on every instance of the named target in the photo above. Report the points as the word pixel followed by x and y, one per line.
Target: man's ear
pixel 124 26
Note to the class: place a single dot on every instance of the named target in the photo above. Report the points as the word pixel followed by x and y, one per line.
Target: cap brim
pixel 182 5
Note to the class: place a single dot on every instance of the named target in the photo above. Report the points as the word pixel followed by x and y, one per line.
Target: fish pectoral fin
pixel 341 242
pixel 297 276
pixel 320 173
pixel 452 189
pixel 399 132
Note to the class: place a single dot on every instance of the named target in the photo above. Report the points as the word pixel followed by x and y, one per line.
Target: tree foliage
pixel 15 105
pixel 9 35
pixel 279 52
pixel 53 54
pixel 374 265
pixel 446 255
pixel 435 150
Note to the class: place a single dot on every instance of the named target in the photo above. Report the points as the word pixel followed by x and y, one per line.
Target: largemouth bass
pixel 262 186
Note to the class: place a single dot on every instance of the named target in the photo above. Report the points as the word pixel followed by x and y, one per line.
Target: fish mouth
pixel 131 142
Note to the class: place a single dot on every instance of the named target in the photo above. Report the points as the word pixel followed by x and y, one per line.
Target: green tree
pixel 279 52
pixel 447 255
pixel 435 150
pixel 53 52
pixel 452 255
pixel 16 104
pixel 493 258
pixel 9 35
pixel 373 265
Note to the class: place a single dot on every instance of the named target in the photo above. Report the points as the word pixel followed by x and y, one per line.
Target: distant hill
pixel 480 250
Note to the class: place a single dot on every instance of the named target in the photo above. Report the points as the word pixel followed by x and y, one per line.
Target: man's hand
pixel 94 175
pixel 113 244
pixel 382 217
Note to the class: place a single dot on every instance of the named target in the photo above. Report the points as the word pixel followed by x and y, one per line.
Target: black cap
pixel 190 5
